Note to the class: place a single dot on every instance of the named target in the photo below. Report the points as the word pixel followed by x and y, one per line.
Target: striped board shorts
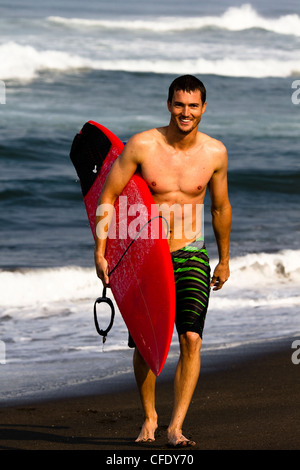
pixel 192 284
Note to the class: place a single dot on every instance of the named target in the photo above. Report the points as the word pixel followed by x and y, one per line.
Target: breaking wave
pixel 233 19
pixel 21 62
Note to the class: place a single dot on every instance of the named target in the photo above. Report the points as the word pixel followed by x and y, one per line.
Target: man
pixel 178 163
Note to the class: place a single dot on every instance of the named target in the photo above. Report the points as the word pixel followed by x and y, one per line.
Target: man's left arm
pixel 221 218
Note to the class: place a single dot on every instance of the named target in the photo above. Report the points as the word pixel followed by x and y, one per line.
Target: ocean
pixel 62 64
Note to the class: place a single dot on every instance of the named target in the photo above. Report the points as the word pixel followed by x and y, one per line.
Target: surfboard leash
pixel 107 300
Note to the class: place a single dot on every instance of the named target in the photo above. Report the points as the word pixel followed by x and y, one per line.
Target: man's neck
pixel 181 140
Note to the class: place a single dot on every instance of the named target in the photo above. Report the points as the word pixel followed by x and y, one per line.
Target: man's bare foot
pixel 147 432
pixel 177 439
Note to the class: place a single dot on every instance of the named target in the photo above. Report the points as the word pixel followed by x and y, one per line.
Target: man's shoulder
pixel 140 144
pixel 214 145
pixel 144 141
pixel 145 137
pixel 216 151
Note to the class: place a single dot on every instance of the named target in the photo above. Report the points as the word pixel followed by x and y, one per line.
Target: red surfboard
pixel 142 282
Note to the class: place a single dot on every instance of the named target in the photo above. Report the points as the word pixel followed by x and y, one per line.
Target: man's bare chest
pixel 188 174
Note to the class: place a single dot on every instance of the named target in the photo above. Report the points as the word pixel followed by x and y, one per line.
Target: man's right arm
pixel 221 217
pixel 120 174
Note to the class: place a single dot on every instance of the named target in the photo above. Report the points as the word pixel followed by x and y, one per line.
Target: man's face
pixel 186 110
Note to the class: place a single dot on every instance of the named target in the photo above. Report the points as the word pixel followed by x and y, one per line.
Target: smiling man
pixel 178 163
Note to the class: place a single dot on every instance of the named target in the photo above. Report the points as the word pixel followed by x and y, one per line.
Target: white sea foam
pixel 225 67
pixel 35 287
pixel 265 269
pixel 273 276
pixel 47 319
pixel 147 45
pixel 25 63
pixel 234 19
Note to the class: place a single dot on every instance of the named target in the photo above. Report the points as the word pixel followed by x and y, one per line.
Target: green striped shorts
pixel 192 284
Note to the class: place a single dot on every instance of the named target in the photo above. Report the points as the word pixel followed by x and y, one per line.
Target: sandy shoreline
pixel 252 403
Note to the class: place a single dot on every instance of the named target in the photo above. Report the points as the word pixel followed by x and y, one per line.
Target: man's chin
pixel 186 129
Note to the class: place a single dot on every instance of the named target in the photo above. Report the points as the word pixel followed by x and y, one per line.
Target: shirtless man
pixel 178 163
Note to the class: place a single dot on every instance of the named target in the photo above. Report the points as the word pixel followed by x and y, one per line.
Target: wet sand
pixel 253 403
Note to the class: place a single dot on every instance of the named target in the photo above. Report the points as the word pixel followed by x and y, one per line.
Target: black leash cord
pixel 107 300
pixel 132 241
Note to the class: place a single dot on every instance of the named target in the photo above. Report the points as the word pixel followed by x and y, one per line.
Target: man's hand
pixel 220 276
pixel 102 269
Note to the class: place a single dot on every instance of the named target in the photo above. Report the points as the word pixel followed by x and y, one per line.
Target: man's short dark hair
pixel 187 83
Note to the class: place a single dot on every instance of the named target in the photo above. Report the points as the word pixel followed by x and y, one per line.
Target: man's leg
pixel 186 377
pixel 145 380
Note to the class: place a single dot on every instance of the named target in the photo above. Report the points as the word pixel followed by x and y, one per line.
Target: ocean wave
pixel 266 268
pixel 36 289
pixel 24 62
pixel 233 19
pixel 39 287
pixel 225 67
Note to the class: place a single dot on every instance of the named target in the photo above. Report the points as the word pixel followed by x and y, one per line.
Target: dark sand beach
pixel 252 403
